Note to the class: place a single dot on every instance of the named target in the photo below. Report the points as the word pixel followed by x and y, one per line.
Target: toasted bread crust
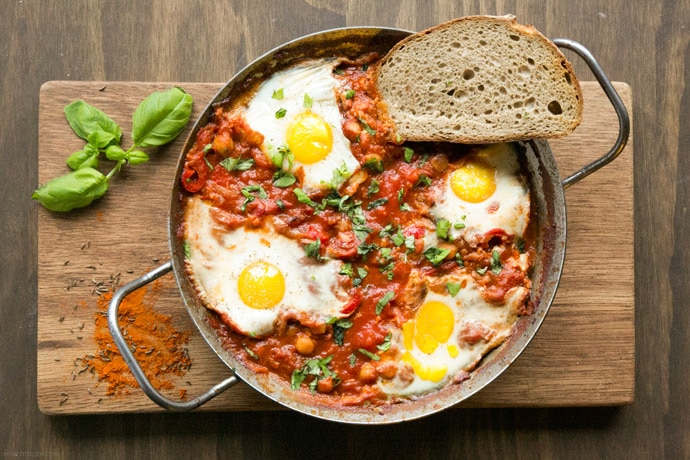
pixel 479 79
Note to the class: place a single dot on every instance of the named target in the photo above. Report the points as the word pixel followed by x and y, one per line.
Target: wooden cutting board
pixel 583 355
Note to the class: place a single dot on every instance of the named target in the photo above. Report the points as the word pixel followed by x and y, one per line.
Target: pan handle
pixel 614 98
pixel 131 361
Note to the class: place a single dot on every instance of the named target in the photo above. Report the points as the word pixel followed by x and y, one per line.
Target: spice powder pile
pixel 158 347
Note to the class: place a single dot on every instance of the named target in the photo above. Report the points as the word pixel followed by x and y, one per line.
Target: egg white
pixel 216 258
pixel 467 305
pixel 314 78
pixel 507 208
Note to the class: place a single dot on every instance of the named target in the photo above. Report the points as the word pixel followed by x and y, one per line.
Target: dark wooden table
pixel 642 43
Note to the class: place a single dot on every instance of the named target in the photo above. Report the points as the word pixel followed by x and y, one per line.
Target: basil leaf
pixel 87 158
pixel 302 197
pixel 73 190
pixel 280 113
pixel 313 250
pixel 101 139
pixel 137 157
pixel 496 265
pixel 278 94
pixel 369 354
pixel 85 120
pixel 374 187
pixel 350 94
pixel 339 328
pixel 408 153
pixel 377 203
pixel 453 288
pixel 161 117
pixel 237 164
pixel 283 179
pixel 115 153
pixel 386 345
pixel 442 227
pixel 383 301
pixel 308 101
pixel 436 255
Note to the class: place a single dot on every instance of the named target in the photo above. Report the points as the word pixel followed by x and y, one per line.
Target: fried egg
pixel 449 333
pixel 484 193
pixel 251 277
pixel 297 109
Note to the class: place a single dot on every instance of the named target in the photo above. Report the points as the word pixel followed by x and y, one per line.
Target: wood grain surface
pixel 583 354
pixel 642 43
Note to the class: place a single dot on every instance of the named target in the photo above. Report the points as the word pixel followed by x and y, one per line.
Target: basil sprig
pixel 157 120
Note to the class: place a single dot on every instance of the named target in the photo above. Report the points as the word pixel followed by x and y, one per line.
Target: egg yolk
pixel 309 137
pixel 434 373
pixel 261 285
pixel 433 326
pixel 474 182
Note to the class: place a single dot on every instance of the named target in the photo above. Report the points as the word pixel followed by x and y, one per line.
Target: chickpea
pixel 304 344
pixel 223 144
pixel 368 373
pixel 325 385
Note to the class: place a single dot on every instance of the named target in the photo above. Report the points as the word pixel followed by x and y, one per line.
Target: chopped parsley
pixel 407 154
pixel 371 131
pixel 308 101
pixel 339 328
pixel 496 266
pixel 237 164
pixel 350 94
pixel 442 227
pixel 346 269
pixel 248 191
pixel 377 203
pixel 280 113
pixel 436 255
pixel 250 352
pixel 302 197
pixel 361 274
pixel 374 165
pixel 374 187
pixel 481 271
pixel 280 155
pixel 313 250
pixel 340 175
pixel 283 179
pixel 369 354
pixel 318 368
pixel 386 345
pixel 423 181
pixel 278 94
pixel 453 288
pixel 383 301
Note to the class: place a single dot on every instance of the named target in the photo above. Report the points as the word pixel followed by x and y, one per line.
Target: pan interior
pixel 548 210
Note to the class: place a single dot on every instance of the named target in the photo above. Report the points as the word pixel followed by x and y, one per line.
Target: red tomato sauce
pixel 391 194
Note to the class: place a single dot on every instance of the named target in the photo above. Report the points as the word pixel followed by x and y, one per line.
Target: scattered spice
pixel 156 344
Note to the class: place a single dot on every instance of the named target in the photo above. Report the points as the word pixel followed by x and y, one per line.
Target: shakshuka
pixel 354 266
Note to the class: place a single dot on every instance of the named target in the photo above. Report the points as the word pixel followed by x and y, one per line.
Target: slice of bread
pixel 479 79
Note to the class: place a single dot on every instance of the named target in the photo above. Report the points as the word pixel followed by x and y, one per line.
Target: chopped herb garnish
pixel 308 101
pixel 367 128
pixel 340 175
pixel 459 225
pixel 349 94
pixel 374 187
pixel 280 113
pixel 251 353
pixel 374 165
pixel 278 94
pixel 280 204
pixel 496 266
pixel 318 368
pixel 405 207
pixel 386 231
pixel 383 301
pixel 423 181
pixel 313 250
pixel 187 250
pixel 369 354
pixel 442 227
pixel 248 191
pixel 302 197
pixel 481 271
pixel 283 179
pixel 359 222
pixel 436 255
pixel 520 245
pixel 279 155
pixel 377 203
pixel 407 154
pixel 453 288
pixel 361 274
pixel 237 164
pixel 339 328
pixel 353 360
pixel 364 248
pixel 386 345
pixel 207 148
pixel 346 269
